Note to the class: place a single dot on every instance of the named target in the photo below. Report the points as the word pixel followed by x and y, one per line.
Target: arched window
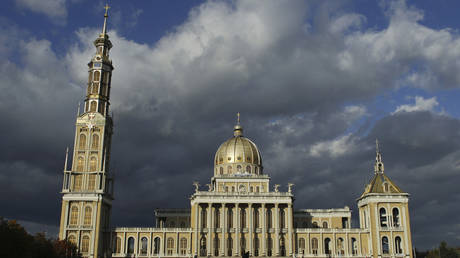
pixel 77 183
pixel 144 244
pixel 82 141
pixel 93 164
pixel 383 217
pixel 340 247
pixel 203 217
pixel 80 164
pixel 248 169
pixel 95 142
pixel 226 189
pixel 90 76
pixel 241 188
pixel 301 245
pixel 229 169
pixel 395 217
pixel 74 215
pixel 170 246
pixel 257 189
pixel 269 218
pixel 72 239
pixel 233 189
pixel 238 168
pixel 97 76
pixel 282 218
pixel 85 244
pixel 92 182
pixel 216 246
pixel 88 216
pixel 183 246
pixel 354 246
pixel 230 218
pixel 221 170
pixel 156 248
pixel 324 224
pixel 315 224
pixel 131 245
pixel 314 246
pixel 95 88
pixel 251 189
pixel 256 218
pixel 385 247
pixel 93 106
pixel 398 247
pixel 243 218
pixel 118 245
pixel 327 246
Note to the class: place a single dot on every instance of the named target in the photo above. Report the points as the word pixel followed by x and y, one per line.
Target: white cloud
pixel 55 9
pixel 421 104
pixel 335 148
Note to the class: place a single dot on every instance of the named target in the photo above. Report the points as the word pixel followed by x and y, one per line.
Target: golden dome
pixel 238 156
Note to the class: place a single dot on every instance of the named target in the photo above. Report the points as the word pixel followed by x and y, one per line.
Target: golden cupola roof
pixel 240 153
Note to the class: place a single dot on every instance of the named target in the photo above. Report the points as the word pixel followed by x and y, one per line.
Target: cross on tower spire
pixel 106 15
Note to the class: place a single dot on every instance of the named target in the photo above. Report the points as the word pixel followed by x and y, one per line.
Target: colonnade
pixel 230 229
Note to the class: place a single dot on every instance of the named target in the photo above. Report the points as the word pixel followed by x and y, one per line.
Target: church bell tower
pixel 88 185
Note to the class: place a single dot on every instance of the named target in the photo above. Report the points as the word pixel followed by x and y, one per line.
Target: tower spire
pixel 106 15
pixel 378 168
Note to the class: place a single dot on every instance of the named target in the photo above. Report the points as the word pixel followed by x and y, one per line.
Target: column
pixel 250 229
pixel 263 240
pixel 197 227
pixel 223 241
pixel 289 219
pixel 236 225
pixel 209 226
pixel 276 239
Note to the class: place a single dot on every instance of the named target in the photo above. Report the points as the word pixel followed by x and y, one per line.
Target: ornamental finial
pixel 106 15
pixel 238 130
pixel 238 118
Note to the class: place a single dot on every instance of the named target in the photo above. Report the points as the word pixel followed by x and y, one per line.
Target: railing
pixel 134 229
pixel 330 230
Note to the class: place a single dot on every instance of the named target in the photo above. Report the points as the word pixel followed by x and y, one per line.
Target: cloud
pixel 300 78
pixel 421 104
pixel 54 9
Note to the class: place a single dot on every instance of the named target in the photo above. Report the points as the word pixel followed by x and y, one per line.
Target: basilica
pixel 238 213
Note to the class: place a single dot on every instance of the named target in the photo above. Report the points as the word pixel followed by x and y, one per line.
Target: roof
pixel 377 185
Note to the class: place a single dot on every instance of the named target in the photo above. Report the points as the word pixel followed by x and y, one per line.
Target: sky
pixel 316 83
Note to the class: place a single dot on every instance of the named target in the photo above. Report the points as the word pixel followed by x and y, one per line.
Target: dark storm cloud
pixel 299 77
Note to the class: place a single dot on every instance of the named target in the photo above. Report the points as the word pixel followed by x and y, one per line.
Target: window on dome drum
pixel 248 169
pixel 93 164
pixel 156 247
pixel 354 246
pixel 82 141
pixel 324 224
pixel 229 158
pixel 314 246
pixel 95 141
pixel 238 168
pixel 395 217
pixel 144 244
pixel 248 159
pixel 340 247
pixel 257 189
pixel 77 183
pixel 74 215
pixel 383 217
pixel 93 106
pixel 183 246
pixel 131 245
pixel 251 189
pixel 233 189
pixel 221 170
pixel 226 189
pixel 88 216
pixel 80 164
pixel 216 246
pixel 118 245
pixel 85 244
pixel 327 247
pixel 229 169
pixel 385 247
pixel 398 247
pixel 239 158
